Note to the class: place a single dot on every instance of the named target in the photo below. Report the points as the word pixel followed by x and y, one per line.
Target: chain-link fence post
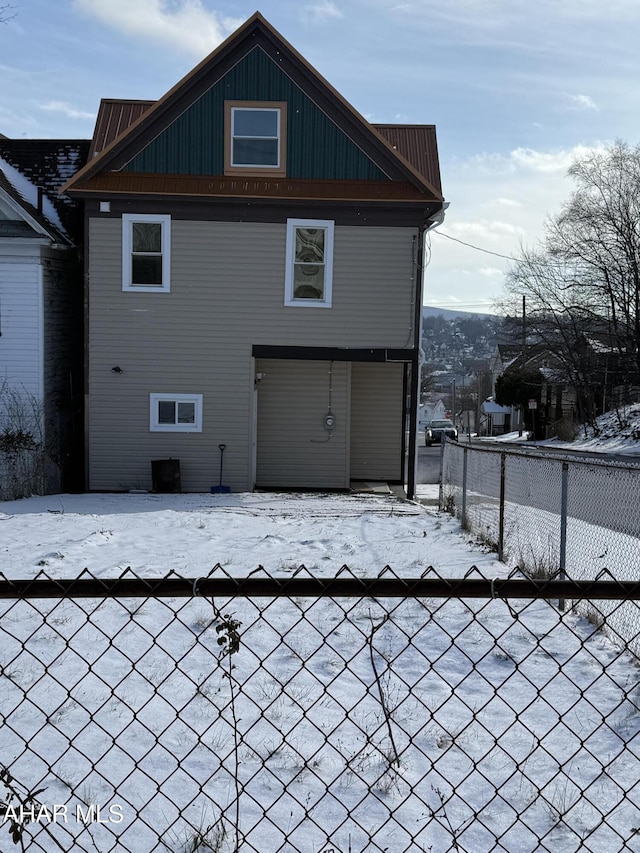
pixel 563 525
pixel 503 458
pixel 463 516
pixel 441 478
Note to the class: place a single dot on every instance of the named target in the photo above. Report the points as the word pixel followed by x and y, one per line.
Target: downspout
pixel 418 356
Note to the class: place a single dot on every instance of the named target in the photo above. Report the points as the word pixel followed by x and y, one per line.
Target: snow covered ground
pixel 616 432
pixel 351 725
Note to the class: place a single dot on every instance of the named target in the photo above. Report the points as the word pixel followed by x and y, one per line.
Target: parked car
pixel 434 431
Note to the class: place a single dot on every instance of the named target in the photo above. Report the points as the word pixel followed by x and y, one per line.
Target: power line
pixel 471 246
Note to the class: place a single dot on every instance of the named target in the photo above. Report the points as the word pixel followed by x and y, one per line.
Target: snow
pixel 616 432
pixel 29 192
pixel 510 720
pixel 68 164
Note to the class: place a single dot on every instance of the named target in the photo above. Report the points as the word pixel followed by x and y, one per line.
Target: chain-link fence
pixel 551 512
pixel 304 714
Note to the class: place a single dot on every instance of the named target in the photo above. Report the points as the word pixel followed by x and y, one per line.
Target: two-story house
pixel 254 274
pixel 41 299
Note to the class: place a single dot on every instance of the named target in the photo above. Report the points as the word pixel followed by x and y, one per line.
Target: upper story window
pixel 255 137
pixel 309 263
pixel 146 251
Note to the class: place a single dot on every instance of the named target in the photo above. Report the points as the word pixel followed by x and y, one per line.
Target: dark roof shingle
pixel 48 164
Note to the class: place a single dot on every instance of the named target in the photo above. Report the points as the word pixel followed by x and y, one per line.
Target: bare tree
pixel 582 285
pixel 6 12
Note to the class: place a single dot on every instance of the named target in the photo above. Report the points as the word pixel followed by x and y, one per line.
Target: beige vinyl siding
pixel 227 294
pixel 294 448
pixel 376 422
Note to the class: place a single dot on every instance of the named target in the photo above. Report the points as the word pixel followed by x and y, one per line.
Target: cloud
pixel 183 25
pixel 520 160
pixel 491 272
pixel 581 102
pixel 483 229
pixel 322 10
pixel 507 202
pixel 66 109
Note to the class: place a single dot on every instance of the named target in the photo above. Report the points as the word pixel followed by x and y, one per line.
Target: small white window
pixel 175 413
pixel 309 270
pixel 146 252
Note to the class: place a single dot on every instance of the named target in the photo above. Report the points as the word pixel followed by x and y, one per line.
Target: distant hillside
pixel 450 314
pixel 455 342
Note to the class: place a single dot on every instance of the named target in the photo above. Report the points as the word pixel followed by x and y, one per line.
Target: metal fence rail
pixel 551 512
pixel 306 714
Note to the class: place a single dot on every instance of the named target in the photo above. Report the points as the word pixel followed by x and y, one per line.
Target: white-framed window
pixel 255 137
pixel 309 263
pixel 175 412
pixel 146 252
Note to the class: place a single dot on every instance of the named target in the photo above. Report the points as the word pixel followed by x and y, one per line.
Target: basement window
pixel 175 412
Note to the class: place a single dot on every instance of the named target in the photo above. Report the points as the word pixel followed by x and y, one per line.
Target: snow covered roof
pixel 31 174
pixel 38 216
pixel 491 408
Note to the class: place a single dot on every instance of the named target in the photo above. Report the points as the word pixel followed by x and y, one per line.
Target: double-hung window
pixel 146 252
pixel 175 412
pixel 255 138
pixel 309 263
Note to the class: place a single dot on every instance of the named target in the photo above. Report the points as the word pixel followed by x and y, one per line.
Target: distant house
pixel 552 400
pixel 495 419
pixel 432 410
pixel 41 298
pixel 254 269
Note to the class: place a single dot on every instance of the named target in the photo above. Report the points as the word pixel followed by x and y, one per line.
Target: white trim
pixel 328 226
pixel 156 426
pixel 41 341
pixel 128 219
pixel 12 204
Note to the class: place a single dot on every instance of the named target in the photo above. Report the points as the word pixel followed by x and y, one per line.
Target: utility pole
pixel 453 405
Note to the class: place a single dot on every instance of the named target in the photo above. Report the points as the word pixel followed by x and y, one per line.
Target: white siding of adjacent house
pixel 21 320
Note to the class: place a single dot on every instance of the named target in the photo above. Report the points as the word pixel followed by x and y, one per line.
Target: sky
pixel 516 89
